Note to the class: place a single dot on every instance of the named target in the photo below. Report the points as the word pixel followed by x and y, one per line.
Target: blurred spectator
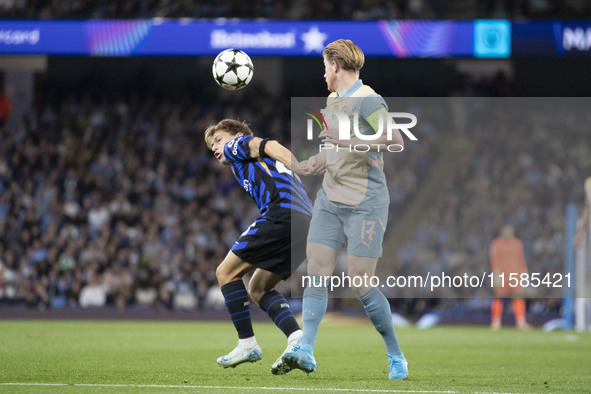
pixel 94 294
pixel 5 107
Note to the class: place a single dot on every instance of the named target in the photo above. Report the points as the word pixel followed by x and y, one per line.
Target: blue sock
pixel 279 311
pixel 378 309
pixel 313 308
pixel 238 306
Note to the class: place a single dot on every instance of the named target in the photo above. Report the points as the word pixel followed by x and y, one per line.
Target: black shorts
pixel 274 241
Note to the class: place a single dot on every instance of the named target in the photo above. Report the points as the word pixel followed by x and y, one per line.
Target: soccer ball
pixel 232 69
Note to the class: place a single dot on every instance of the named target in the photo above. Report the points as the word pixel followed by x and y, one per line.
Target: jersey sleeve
pixel 238 149
pixel 372 108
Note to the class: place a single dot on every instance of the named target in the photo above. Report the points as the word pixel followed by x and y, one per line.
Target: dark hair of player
pixel 231 126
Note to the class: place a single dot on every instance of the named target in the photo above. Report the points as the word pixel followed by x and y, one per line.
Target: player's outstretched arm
pixel 315 165
pixel 278 152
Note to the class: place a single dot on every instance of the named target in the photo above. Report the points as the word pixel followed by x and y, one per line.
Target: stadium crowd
pixel 273 9
pixel 112 199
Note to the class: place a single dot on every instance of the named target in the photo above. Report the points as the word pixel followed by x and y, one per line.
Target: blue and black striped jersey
pixel 272 185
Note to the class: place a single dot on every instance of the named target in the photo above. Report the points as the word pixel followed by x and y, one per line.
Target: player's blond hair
pixel 231 126
pixel 346 54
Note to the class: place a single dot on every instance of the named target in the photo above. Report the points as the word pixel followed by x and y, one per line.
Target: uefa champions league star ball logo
pixel 232 69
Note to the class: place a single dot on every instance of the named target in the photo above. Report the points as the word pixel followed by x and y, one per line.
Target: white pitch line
pixel 174 386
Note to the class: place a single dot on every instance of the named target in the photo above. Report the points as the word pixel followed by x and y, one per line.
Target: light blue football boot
pixel 397 367
pixel 279 367
pixel 302 357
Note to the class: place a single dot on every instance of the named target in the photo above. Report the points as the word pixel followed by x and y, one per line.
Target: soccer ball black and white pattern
pixel 232 69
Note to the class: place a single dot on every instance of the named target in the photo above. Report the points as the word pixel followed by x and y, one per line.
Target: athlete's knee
pixel 225 275
pixel 321 259
pixel 319 266
pixel 220 274
pixel 313 263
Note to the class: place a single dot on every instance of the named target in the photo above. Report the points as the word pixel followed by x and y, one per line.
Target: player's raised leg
pixel 229 274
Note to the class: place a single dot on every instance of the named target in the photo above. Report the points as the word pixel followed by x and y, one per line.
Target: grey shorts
pixel 360 227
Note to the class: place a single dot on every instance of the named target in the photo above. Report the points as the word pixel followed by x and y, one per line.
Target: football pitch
pixel 180 357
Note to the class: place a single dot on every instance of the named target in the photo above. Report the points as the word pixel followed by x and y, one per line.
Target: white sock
pixel 294 336
pixel 247 343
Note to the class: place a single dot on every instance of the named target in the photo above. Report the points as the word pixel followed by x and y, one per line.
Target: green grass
pixel 350 356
